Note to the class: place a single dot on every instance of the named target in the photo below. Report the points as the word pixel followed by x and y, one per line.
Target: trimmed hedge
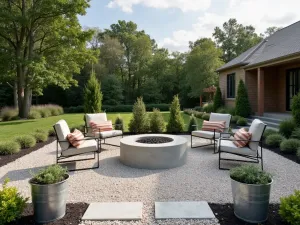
pixel 274 140
pixel 290 146
pixel 119 108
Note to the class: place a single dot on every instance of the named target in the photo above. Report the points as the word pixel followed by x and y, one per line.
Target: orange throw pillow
pixel 76 138
pixel 242 138
pixel 218 126
pixel 101 126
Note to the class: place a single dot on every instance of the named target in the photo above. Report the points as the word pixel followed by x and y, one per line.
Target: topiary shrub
pixel 139 122
pixel 206 116
pixel 208 107
pixel 193 125
pixel 296 109
pixel 157 122
pixel 12 204
pixel 242 121
pixel 9 147
pixel 119 123
pixel 40 136
pixel 234 119
pixel 289 209
pixel 34 114
pixel 249 174
pixel 289 146
pixel 8 113
pixel 176 123
pixel 26 141
pixel 50 175
pixel 274 140
pixel 287 127
pixel 242 105
pixel 218 101
pixel 269 132
pixel 92 95
pixel 296 134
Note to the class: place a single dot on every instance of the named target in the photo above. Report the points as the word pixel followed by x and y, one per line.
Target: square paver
pixel 183 210
pixel 114 211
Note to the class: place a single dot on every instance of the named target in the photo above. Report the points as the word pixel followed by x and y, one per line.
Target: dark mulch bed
pixel 73 215
pixel 5 159
pixel 226 216
pixel 292 157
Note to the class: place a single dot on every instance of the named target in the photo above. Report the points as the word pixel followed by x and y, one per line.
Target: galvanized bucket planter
pixel 49 200
pixel 251 201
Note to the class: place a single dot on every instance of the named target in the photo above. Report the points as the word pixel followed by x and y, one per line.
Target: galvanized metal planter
pixel 251 201
pixel 49 200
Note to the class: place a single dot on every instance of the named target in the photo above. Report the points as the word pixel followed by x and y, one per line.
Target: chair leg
pixel 191 141
pixel 261 159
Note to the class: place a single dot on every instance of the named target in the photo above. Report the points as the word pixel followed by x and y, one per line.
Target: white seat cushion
pixel 205 134
pixel 85 147
pixel 229 146
pixel 62 130
pixel 111 133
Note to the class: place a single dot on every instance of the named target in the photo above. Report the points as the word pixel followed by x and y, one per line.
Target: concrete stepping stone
pixel 183 210
pixel 114 211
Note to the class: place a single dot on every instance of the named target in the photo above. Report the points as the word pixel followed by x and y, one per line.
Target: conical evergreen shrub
pixel 296 109
pixel 242 107
pixel 218 102
pixel 139 122
pixel 176 123
pixel 157 122
pixel 193 123
pixel 119 123
pixel 92 95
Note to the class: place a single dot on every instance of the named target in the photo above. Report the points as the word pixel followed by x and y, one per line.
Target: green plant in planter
pixel 290 208
pixel 12 204
pixel 50 175
pixel 249 174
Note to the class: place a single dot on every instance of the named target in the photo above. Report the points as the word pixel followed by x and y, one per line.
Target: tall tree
pixel 234 38
pixel 201 65
pixel 269 31
pixel 48 45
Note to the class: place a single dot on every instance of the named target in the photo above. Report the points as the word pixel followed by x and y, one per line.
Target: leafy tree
pixel 218 101
pixel 45 45
pixel 139 122
pixel 112 90
pixel 269 31
pixel 242 107
pixel 201 65
pixel 92 96
pixel 235 38
pixel 157 122
pixel 150 91
pixel 176 123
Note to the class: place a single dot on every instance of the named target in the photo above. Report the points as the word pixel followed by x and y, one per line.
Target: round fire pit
pixel 153 151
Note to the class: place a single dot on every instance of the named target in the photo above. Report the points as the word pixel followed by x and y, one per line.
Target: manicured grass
pixel 11 129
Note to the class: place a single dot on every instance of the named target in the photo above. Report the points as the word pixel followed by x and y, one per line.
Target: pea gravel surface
pixel 198 180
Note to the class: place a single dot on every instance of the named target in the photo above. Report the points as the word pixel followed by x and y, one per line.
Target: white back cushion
pixel 62 130
pixel 95 117
pixel 256 129
pixel 221 117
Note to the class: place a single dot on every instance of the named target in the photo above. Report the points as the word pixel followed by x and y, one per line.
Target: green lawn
pixel 13 128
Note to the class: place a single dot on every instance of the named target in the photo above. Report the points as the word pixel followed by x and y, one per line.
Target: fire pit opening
pixel 154 140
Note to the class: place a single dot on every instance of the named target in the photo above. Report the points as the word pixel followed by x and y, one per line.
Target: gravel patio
pixel 198 180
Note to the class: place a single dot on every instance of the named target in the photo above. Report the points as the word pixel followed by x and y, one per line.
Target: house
pixel 270 70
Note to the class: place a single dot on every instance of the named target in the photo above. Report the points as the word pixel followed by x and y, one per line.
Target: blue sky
pixel 173 23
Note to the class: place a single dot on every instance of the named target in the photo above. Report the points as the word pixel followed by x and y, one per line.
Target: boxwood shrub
pixel 26 141
pixel 269 132
pixel 287 127
pixel 289 208
pixel 234 119
pixel 289 146
pixel 9 147
pixel 206 116
pixel 242 121
pixel 274 140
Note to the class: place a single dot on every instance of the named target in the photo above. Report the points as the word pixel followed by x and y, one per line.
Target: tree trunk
pixel 16 94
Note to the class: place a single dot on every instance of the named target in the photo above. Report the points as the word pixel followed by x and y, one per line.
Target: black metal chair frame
pixel 61 159
pixel 251 159
pixel 100 139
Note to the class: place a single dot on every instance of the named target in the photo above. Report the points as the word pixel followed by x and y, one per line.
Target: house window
pixel 231 85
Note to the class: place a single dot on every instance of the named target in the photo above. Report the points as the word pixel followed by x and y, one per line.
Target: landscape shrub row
pixel 36 112
pixel 119 108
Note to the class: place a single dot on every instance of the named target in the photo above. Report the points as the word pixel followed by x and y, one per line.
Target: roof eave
pixel 230 67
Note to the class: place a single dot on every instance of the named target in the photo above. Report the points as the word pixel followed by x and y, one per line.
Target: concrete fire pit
pixel 153 151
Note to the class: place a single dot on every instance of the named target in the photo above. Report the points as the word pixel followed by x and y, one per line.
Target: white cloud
pixel 259 13
pixel 184 5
